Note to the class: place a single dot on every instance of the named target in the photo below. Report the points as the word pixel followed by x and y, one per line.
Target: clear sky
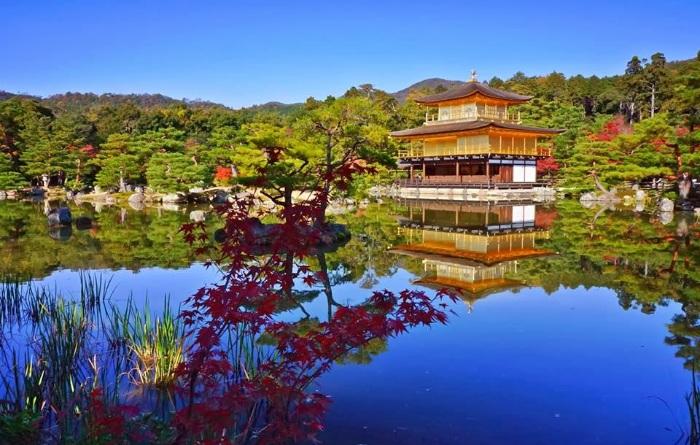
pixel 246 52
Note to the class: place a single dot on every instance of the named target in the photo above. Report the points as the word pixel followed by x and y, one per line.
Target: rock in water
pixel 219 235
pixel 686 206
pixel 588 197
pixel 666 205
pixel 137 205
pixel 219 197
pixel 666 217
pixel 197 216
pixel 60 233
pixel 174 198
pixel 83 223
pixel 60 217
pixel 136 198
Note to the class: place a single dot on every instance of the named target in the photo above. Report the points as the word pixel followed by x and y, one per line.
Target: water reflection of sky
pixel 148 284
pixel 570 367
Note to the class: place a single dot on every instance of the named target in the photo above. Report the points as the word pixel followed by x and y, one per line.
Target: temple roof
pixel 470 291
pixel 455 127
pixel 469 88
pixel 435 250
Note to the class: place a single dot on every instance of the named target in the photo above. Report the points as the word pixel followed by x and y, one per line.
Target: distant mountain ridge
pixel 431 84
pixel 80 102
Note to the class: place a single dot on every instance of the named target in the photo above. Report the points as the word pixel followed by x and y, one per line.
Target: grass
pixel 156 344
pixel 11 292
pixel 44 385
pixel 693 402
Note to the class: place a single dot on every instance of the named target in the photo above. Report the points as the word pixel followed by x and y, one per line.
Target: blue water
pixel 517 366
pixel 526 367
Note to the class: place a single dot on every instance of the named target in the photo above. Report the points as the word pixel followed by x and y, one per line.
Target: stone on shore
pixel 666 205
pixel 174 198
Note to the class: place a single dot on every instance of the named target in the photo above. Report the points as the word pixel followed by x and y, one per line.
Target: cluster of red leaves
pixel 682 131
pixel 222 175
pixel 547 165
pixel 611 129
pixel 108 422
pixel 545 217
pixel 88 150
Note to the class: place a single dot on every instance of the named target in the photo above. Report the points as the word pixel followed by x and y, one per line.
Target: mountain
pixel 5 95
pixel 81 102
pixel 430 84
pixel 275 107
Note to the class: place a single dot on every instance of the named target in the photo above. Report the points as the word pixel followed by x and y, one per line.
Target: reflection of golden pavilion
pixel 471 247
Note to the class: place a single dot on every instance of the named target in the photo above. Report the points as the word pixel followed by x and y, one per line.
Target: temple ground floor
pixel 495 193
pixel 482 172
pixel 476 178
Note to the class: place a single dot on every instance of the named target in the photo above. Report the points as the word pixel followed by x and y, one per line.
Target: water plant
pixel 11 291
pixel 155 344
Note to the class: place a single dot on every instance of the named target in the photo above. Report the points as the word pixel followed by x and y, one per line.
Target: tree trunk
pixel 287 199
pixel 326 183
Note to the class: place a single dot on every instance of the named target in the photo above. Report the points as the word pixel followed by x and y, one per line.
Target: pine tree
pixel 10 179
pixel 172 172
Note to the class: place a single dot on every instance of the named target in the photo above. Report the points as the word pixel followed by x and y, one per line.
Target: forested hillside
pixel 640 124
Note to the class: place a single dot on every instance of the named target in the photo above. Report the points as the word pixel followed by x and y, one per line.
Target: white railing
pixel 434 118
pixel 418 151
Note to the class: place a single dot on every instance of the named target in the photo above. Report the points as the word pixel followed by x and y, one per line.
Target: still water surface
pixel 573 326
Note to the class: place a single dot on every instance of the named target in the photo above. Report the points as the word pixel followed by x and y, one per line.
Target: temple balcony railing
pixel 417 151
pixel 486 115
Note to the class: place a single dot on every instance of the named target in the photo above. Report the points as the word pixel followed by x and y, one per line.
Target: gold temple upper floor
pixel 483 144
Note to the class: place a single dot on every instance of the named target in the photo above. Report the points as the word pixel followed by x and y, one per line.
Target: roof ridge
pixel 470 88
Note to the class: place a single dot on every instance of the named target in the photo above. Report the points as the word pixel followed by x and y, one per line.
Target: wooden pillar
pixel 410 172
pixel 423 169
pixel 457 171
pixel 488 173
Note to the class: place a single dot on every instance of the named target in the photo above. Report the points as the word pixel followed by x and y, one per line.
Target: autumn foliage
pixel 260 390
pixel 222 175
pixel 611 129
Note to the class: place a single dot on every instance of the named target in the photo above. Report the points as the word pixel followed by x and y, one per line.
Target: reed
pixel 692 400
pixel 11 293
pixel 155 344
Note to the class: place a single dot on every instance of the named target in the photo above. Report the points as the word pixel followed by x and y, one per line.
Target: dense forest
pixel 641 124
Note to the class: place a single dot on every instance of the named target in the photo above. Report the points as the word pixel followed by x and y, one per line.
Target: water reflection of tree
pixel 119 238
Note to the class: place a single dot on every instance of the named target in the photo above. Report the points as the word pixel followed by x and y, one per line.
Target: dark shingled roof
pixel 470 88
pixel 453 127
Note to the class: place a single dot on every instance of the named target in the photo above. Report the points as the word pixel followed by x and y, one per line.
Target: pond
pixel 572 325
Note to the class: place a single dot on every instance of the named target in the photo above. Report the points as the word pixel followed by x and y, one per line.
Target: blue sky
pixel 246 52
